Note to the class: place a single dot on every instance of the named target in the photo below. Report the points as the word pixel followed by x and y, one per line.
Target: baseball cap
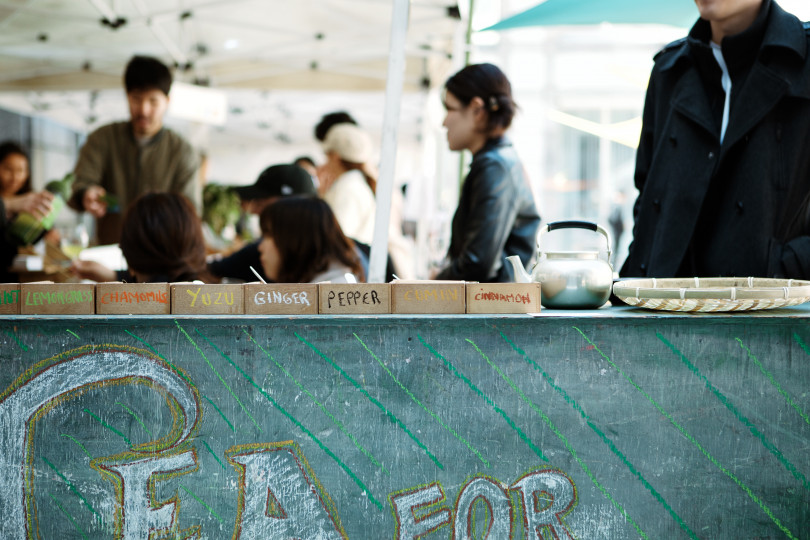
pixel 349 142
pixel 278 181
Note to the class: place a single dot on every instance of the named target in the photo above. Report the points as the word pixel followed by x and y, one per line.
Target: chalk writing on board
pixel 211 299
pixel 123 297
pixel 431 295
pixel 10 297
pixel 61 298
pixel 546 497
pixel 277 297
pixel 278 494
pixel 353 298
pixel 511 298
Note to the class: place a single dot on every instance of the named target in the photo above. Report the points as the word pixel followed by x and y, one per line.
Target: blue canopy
pixel 682 13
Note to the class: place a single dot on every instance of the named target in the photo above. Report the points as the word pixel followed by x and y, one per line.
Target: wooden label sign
pixel 354 298
pixel 9 298
pixel 281 299
pixel 132 299
pixel 428 297
pixel 57 298
pixel 503 297
pixel 194 298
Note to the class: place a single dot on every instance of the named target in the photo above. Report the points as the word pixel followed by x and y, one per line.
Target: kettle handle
pixel 575 224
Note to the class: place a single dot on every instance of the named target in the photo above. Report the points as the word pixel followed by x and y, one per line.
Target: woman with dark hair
pixel 16 196
pixel 496 215
pixel 303 243
pixel 161 239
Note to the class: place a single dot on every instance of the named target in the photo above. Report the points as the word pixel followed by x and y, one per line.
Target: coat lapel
pixel 762 91
pixel 691 101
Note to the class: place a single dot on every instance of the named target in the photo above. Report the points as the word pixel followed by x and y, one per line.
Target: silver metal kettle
pixel 573 279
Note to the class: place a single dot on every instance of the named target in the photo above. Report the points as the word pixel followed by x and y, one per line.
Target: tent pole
pixel 388 153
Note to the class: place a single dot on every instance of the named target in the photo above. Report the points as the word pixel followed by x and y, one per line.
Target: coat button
pixel 673 140
pixel 657 205
pixel 711 154
pixel 643 267
pixel 739 207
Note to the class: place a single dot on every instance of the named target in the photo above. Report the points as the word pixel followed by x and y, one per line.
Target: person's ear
pixel 477 104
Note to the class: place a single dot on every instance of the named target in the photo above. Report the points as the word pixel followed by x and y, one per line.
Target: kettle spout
pixel 521 276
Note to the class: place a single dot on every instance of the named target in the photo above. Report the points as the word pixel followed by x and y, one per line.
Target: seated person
pixel 273 183
pixel 303 243
pixel 161 239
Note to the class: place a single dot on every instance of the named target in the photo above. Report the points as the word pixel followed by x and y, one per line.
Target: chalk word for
pixel 431 295
pixel 123 297
pixel 510 298
pixel 546 496
pixel 211 299
pixel 278 493
pixel 61 298
pixel 277 297
pixel 353 298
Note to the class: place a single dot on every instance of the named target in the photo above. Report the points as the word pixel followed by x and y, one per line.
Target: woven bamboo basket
pixel 712 294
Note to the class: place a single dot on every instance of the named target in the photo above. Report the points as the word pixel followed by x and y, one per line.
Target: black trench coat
pixel 763 166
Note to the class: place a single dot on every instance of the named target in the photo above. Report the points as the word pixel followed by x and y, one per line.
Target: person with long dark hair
pixel 161 240
pixel 16 196
pixel 496 215
pixel 303 243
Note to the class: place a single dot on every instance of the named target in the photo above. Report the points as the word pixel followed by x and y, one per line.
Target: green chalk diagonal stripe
pixel 73 521
pixel 774 382
pixel 108 426
pixel 418 402
pixel 72 333
pixel 78 443
pixel 72 487
pixel 486 398
pixel 214 405
pixel 736 412
pixel 13 335
pixel 135 416
pixel 199 500
pixel 564 440
pixel 291 418
pixel 216 457
pixel 692 440
pixel 224 383
pixel 388 413
pixel 605 439
pixel 320 405
pixel 184 377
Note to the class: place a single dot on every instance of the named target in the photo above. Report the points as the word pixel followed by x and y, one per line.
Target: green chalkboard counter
pixel 608 424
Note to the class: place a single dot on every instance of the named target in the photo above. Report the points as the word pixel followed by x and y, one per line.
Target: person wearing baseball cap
pixel 274 182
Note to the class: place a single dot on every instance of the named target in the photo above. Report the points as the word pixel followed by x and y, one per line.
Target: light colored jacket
pixel 113 159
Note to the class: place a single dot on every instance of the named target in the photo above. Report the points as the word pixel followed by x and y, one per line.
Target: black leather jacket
pixel 496 217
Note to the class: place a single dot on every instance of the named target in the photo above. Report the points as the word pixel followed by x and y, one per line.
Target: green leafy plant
pixel 221 207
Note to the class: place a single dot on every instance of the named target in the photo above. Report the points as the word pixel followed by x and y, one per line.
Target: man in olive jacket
pixel 723 164
pixel 123 160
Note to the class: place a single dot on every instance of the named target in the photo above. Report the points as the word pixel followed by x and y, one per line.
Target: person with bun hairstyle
pixel 302 242
pixel 496 215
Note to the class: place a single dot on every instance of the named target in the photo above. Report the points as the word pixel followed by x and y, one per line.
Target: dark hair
pixel 329 120
pixel 147 73
pixel 162 238
pixel 8 148
pixel 488 82
pixel 308 238
pixel 304 159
